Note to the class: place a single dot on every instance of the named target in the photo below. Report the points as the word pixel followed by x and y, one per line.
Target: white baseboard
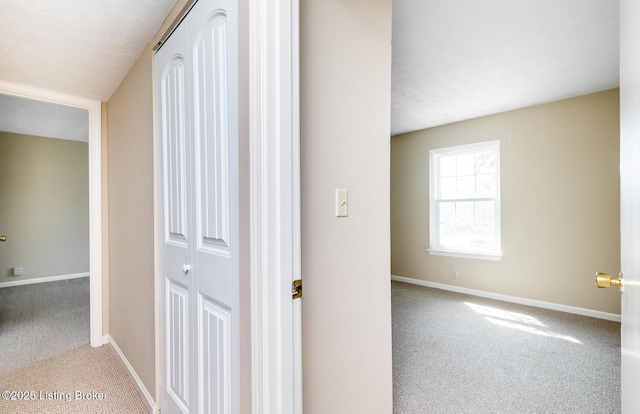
pixel 42 279
pixel 513 299
pixel 141 388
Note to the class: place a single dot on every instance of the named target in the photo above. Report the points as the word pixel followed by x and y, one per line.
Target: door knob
pixel 604 280
pixel 186 268
pixel 3 238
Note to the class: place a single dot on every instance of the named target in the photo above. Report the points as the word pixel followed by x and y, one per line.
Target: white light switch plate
pixel 342 202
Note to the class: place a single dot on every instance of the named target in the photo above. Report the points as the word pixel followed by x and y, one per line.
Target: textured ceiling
pixel 452 59
pixel 79 47
pixel 461 59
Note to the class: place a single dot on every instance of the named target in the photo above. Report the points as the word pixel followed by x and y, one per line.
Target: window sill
pixel 466 255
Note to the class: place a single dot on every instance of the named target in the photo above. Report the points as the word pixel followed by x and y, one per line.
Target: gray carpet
pixel 42 320
pixel 56 381
pixel 455 353
pixel 44 338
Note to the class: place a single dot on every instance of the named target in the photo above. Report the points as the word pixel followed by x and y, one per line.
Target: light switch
pixel 342 202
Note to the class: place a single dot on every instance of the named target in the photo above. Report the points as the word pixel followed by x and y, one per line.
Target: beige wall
pixel 560 202
pixel 131 223
pixel 44 206
pixel 130 180
pixel 345 105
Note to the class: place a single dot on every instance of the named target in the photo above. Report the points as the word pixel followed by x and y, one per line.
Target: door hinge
pixel 296 289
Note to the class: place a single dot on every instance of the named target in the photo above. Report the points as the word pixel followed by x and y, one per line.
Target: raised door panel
pixel 172 95
pixel 177 340
pixel 214 60
pixel 212 135
pixel 214 349
pixel 175 152
pixel 175 188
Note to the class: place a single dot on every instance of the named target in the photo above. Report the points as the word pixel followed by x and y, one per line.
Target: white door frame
pixel 276 359
pixel 95 190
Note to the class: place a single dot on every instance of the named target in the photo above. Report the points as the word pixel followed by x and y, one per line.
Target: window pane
pixel 465 213
pixel 448 187
pixel 447 216
pixel 447 213
pixel 485 224
pixel 485 162
pixel 448 166
pixel 465 224
pixel 447 235
pixel 464 237
pixel 466 164
pixel 466 186
pixel 486 185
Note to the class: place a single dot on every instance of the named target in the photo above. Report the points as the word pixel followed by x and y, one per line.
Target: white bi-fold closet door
pixel 197 131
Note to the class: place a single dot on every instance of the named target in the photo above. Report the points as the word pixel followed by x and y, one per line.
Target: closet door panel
pixel 214 61
pixel 215 102
pixel 197 92
pixel 175 165
pixel 176 234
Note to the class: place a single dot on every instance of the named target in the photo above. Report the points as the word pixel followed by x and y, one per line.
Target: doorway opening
pixel 93 109
pixel 547 148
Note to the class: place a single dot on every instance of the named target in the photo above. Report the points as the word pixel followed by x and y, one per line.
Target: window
pixel 465 201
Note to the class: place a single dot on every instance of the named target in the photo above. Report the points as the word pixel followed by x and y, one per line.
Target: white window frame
pixel 434 238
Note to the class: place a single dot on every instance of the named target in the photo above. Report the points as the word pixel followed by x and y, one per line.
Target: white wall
pixel 345 122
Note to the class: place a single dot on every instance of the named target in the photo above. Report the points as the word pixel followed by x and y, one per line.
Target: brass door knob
pixel 3 238
pixel 604 280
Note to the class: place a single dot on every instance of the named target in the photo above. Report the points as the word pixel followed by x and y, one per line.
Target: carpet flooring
pixel 84 380
pixel 454 353
pixel 47 365
pixel 42 320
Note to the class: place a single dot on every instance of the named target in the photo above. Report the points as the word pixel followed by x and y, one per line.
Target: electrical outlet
pixel 454 274
pixel 17 271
